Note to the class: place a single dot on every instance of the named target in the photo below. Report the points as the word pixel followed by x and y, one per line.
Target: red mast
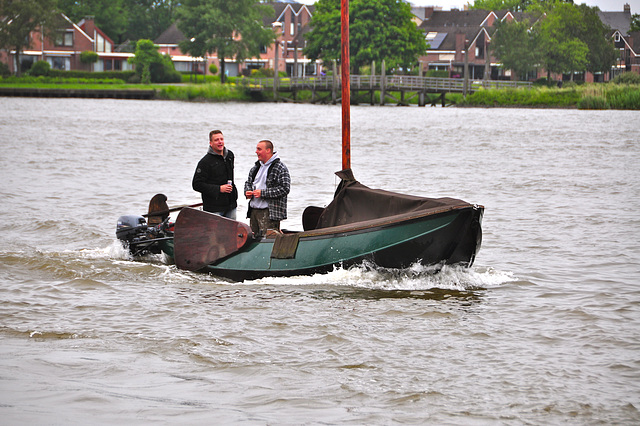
pixel 346 87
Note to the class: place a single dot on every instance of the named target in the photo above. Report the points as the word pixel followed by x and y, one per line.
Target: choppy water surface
pixel 544 329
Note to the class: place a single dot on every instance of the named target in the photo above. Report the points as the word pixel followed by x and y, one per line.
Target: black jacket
pixel 214 170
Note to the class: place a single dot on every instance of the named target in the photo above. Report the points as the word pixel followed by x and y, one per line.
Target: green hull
pixel 449 237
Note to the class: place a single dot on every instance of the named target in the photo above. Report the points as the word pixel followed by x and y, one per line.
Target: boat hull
pixel 449 237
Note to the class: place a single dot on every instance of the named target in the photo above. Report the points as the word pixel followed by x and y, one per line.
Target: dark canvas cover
pixel 355 202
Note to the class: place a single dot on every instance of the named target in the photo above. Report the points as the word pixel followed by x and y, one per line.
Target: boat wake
pixel 364 276
pixel 416 277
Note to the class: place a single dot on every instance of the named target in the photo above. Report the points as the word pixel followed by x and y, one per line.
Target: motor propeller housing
pixel 130 227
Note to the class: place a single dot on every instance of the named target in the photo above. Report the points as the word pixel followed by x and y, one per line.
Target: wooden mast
pixel 346 87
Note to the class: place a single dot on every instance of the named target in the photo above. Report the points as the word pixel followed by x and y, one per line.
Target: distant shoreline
pixel 592 96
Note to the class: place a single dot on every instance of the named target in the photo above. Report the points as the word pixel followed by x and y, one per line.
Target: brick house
pixel 63 51
pixel 628 43
pixel 453 33
pixel 291 22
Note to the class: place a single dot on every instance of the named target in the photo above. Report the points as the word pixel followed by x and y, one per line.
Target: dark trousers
pixel 260 222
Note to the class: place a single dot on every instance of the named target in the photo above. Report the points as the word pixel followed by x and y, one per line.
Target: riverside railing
pixel 376 82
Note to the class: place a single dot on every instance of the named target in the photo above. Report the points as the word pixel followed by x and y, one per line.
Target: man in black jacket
pixel 214 178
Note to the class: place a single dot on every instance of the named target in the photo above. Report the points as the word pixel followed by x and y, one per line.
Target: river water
pixel 543 329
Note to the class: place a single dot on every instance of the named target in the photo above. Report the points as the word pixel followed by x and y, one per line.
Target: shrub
pixel 571 84
pixel 548 83
pixel 438 74
pixel 134 79
pixel 627 78
pixel 213 69
pixel 164 71
pixel 262 73
pixel 4 70
pixel 40 68
pixel 88 57
pixel 97 75
pixel 49 80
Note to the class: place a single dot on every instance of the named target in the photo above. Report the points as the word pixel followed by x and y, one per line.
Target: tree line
pixel 556 35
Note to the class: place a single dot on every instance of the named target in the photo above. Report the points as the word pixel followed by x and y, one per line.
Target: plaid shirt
pixel 278 186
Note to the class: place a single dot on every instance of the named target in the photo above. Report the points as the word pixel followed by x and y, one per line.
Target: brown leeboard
pixel 201 238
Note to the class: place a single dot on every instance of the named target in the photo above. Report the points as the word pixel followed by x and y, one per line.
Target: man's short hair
pixel 268 144
pixel 214 132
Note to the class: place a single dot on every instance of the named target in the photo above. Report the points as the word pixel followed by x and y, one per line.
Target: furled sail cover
pixel 355 202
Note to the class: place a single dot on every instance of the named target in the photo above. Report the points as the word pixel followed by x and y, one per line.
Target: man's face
pixel 262 152
pixel 217 143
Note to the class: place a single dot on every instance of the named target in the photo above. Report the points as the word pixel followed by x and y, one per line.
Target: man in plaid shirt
pixel 267 187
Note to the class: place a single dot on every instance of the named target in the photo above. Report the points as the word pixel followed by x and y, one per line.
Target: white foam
pixel 416 277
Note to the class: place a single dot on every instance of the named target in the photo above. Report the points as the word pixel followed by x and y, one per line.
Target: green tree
pixel 515 45
pixel 146 54
pixel 19 18
pixel 124 20
pixel 562 49
pixel 516 5
pixel 231 29
pixel 635 23
pixel 602 52
pixel 512 5
pixel 378 30
pixel 152 66
pixel 149 18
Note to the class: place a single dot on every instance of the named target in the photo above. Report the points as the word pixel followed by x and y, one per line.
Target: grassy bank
pixel 587 96
pixel 203 92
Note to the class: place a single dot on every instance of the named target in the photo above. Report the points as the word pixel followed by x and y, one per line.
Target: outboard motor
pixel 131 228
pixel 134 233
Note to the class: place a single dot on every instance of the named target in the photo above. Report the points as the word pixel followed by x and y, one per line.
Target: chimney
pixel 88 25
pixel 627 8
pixel 428 12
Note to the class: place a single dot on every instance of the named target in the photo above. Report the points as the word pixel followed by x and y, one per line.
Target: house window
pixel 617 37
pixel 99 43
pixel 64 39
pixel 292 30
pixel 310 69
pixel 59 63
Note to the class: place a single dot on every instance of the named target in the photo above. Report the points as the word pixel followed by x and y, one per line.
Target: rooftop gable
pixel 620 21
pixel 171 35
pixel 456 18
pixel 83 24
pixel 281 8
pixel 77 28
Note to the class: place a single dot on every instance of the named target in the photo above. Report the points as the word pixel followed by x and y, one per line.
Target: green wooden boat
pixel 388 229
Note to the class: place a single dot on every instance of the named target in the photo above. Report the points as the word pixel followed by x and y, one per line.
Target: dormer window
pixel 616 37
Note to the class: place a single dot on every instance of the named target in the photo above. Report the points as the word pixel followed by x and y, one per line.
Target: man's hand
pixel 255 193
